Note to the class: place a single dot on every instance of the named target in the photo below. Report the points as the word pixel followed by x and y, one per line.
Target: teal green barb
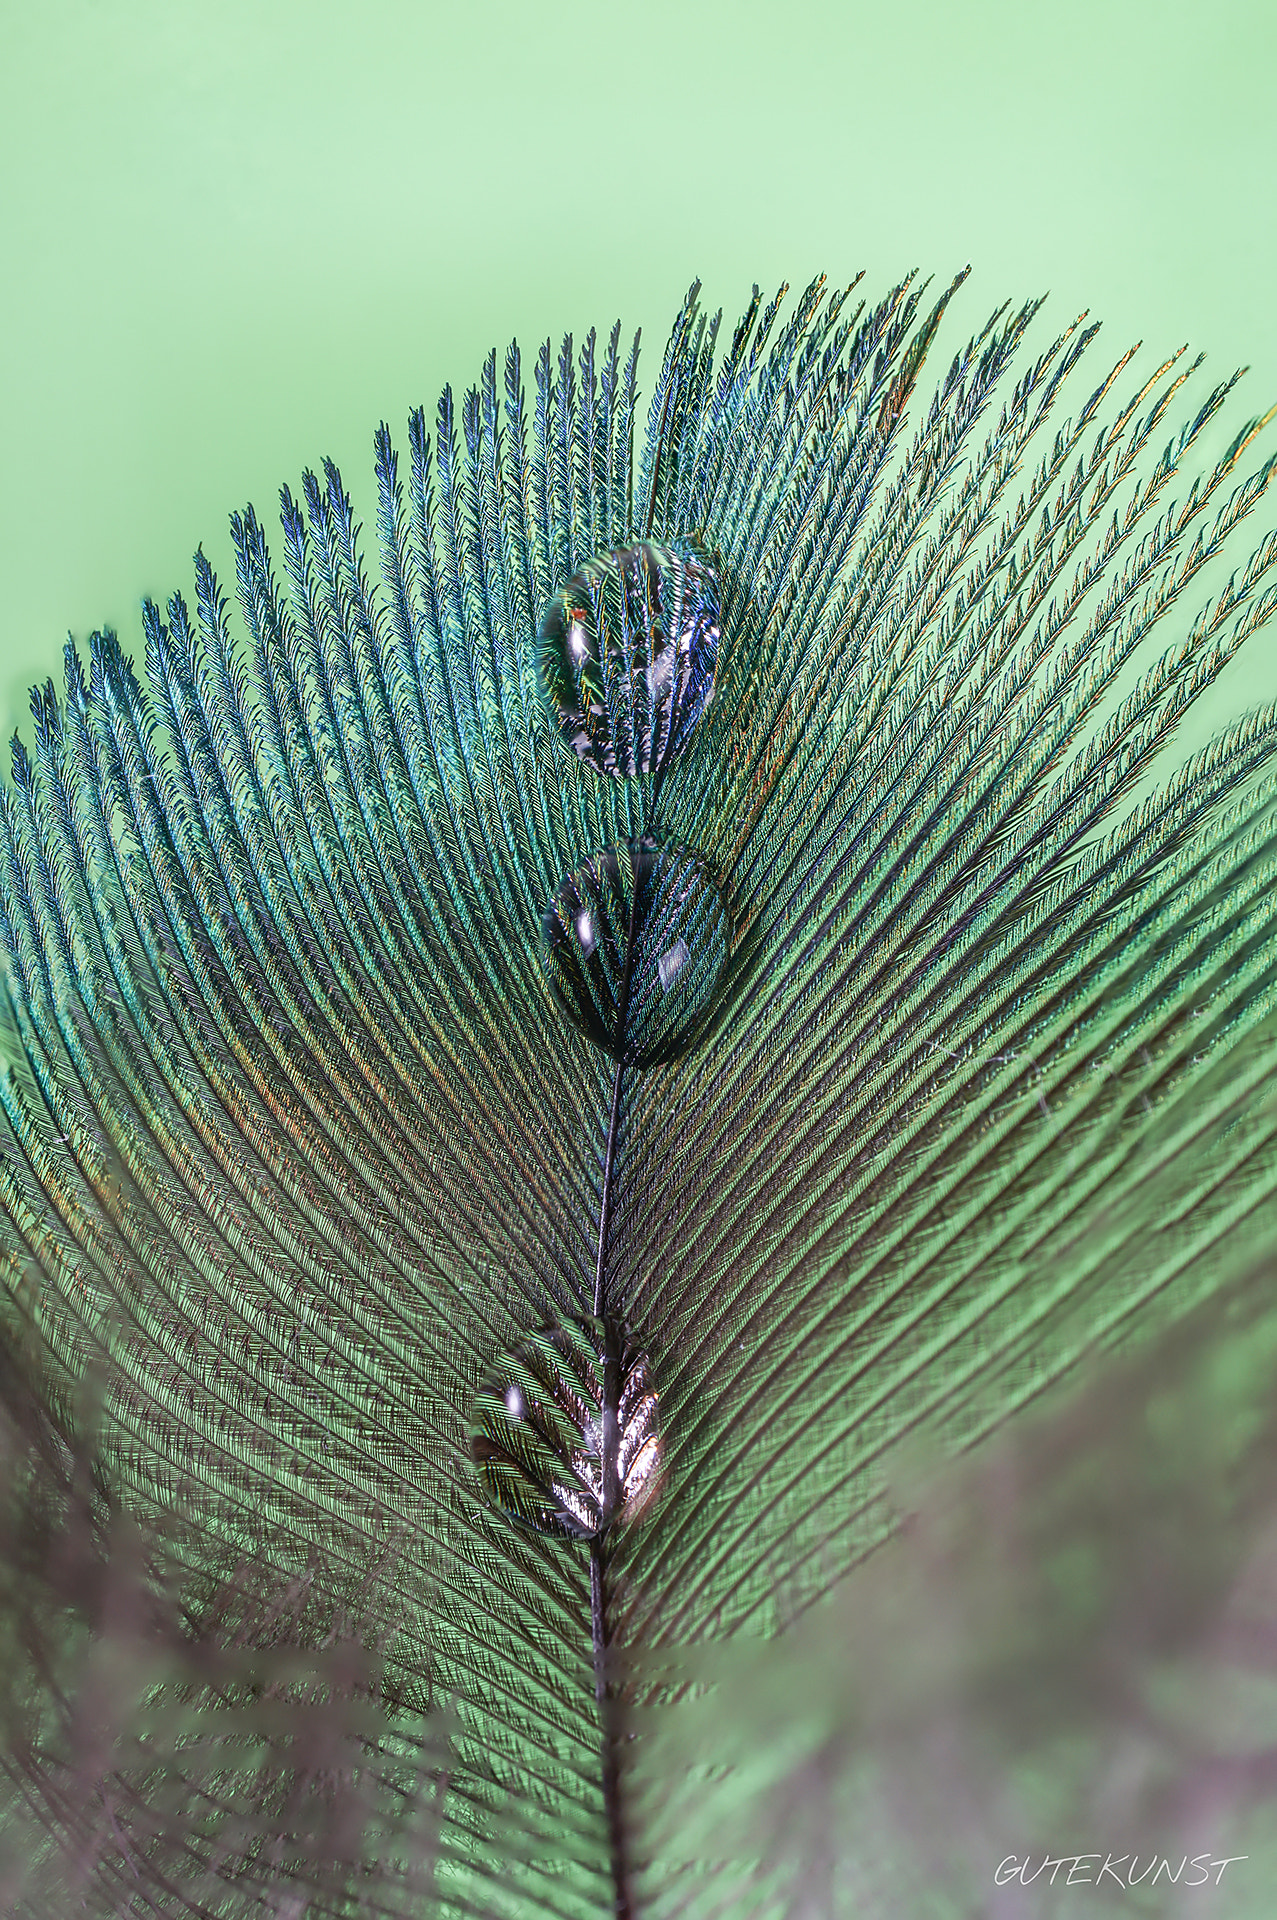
pixel 299 1146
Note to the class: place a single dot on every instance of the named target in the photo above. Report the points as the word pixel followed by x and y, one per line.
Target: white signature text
pixel 1124 1868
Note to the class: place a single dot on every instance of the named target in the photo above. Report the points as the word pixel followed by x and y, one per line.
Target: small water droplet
pixel 681 937
pixel 627 652
pixel 548 1453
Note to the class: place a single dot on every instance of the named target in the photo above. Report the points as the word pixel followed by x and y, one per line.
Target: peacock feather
pixel 538 1061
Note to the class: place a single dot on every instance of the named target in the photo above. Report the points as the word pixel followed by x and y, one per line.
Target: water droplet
pixel 680 944
pixel 627 652
pixel 548 1453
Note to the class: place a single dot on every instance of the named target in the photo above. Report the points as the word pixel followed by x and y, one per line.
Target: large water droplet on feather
pixel 627 651
pixel 680 944
pixel 547 1452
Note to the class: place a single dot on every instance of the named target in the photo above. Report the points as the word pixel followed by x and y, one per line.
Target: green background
pixel 236 235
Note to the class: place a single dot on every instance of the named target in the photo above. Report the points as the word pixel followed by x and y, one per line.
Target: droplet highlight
pixel 627 652
pixel 671 963
pixel 681 936
pixel 549 1453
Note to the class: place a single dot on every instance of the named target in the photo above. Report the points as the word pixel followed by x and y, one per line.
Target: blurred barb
pixel 157 1760
pixel 1068 1648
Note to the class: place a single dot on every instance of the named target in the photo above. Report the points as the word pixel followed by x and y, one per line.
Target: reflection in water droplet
pixel 671 964
pixel 539 1434
pixel 585 932
pixel 680 945
pixel 627 652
